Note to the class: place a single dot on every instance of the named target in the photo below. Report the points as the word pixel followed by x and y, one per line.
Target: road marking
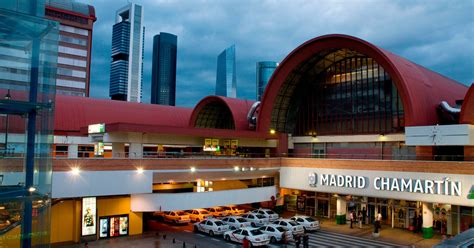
pixel 216 239
pixel 187 231
pixel 200 235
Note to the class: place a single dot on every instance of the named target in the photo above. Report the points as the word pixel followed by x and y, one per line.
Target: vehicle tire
pixel 227 238
pixel 273 240
pixel 305 231
pixel 196 229
pixel 211 233
pixel 253 224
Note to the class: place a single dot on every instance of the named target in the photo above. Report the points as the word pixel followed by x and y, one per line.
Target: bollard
pixel 164 236
pixel 184 244
pixel 174 241
pixel 157 234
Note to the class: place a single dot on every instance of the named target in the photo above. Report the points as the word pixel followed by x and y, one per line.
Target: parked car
pixel 217 212
pixel 255 219
pixel 211 226
pixel 236 222
pixel 199 214
pixel 277 233
pixel 295 228
pixel 159 215
pixel 233 210
pixel 177 217
pixel 254 235
pixel 270 214
pixel 309 224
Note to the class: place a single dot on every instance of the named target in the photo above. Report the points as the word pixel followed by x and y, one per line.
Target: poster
pixel 89 216
pixel 104 228
pixel 114 226
pixel 300 203
pixel 123 225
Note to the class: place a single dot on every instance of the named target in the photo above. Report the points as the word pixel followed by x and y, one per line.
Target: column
pixel 118 150
pixel 341 207
pixel 72 150
pixel 136 150
pixel 427 220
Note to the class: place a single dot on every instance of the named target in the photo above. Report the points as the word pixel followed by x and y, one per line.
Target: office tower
pixel 265 70
pixel 163 75
pixel 226 80
pixel 127 54
pixel 75 44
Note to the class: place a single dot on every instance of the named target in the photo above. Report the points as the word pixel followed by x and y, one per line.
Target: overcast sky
pixel 436 34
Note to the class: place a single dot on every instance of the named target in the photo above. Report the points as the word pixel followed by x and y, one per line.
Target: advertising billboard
pixel 89 213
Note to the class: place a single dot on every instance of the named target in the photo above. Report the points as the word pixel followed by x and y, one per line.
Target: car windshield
pixel 227 208
pixel 309 219
pixel 260 216
pixel 219 223
pixel 281 229
pixel 219 209
pixel 270 212
pixel 181 213
pixel 256 232
pixel 203 212
pixel 293 223
pixel 241 220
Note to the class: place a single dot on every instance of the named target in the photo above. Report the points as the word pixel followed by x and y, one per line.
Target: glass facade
pixel 126 70
pixel 339 92
pixel 226 79
pixel 163 77
pixel 265 71
pixel 30 45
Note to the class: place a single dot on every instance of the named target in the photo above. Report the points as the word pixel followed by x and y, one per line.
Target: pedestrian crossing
pixel 330 239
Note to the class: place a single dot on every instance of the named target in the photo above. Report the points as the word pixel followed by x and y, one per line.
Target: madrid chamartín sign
pixel 425 186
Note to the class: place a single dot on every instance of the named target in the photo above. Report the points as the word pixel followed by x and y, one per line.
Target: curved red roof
pixel 467 109
pixel 72 113
pixel 238 107
pixel 420 89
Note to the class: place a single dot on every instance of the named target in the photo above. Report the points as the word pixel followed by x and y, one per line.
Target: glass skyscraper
pixel 265 71
pixel 127 54
pixel 226 79
pixel 163 77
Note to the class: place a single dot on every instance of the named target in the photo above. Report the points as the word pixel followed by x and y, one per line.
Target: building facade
pixel 265 71
pixel 226 78
pixel 75 45
pixel 126 69
pixel 163 74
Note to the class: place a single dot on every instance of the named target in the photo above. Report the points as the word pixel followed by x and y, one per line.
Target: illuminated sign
pixel 211 145
pixel 89 211
pixel 433 187
pixel 99 148
pixel 96 128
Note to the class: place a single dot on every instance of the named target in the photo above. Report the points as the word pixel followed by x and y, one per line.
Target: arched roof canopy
pixel 467 109
pixel 221 113
pixel 420 89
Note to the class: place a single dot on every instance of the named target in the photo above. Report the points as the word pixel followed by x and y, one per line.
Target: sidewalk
pixel 387 233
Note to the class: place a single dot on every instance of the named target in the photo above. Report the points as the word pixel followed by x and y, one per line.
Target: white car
pixel 255 219
pixel 217 212
pixel 211 226
pixel 295 228
pixel 199 214
pixel 233 210
pixel 236 222
pixel 276 233
pixel 177 217
pixel 254 235
pixel 309 224
pixel 272 216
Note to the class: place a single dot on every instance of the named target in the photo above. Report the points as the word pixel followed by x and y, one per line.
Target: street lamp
pixel 7 97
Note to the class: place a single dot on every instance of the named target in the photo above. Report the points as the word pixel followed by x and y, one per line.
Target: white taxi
pixel 217 212
pixel 255 219
pixel 199 214
pixel 295 228
pixel 177 217
pixel 272 216
pixel 309 224
pixel 236 222
pixel 211 227
pixel 276 233
pixel 253 235
pixel 233 210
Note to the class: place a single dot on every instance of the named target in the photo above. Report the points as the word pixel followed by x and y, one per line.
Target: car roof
pixel 287 220
pixel 199 209
pixel 272 225
pixel 248 228
pixel 301 216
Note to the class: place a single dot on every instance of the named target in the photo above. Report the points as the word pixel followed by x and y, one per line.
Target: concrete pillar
pixel 118 150
pixel 425 152
pixel 72 150
pixel 469 153
pixel 341 207
pixel 136 150
pixel 427 220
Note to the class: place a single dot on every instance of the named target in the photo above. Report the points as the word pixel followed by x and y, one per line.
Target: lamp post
pixel 7 97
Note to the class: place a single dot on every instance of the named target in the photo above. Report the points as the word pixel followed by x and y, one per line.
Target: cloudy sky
pixel 436 34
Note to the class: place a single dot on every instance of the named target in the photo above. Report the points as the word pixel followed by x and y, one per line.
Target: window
pixel 72 51
pixel 73 30
pixel 270 229
pixel 70 83
pixel 73 62
pixel 72 40
pixel 245 233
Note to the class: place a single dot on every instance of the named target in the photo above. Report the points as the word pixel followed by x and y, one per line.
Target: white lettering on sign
pixel 433 187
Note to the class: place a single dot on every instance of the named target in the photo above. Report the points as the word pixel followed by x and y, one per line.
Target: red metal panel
pixel 467 109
